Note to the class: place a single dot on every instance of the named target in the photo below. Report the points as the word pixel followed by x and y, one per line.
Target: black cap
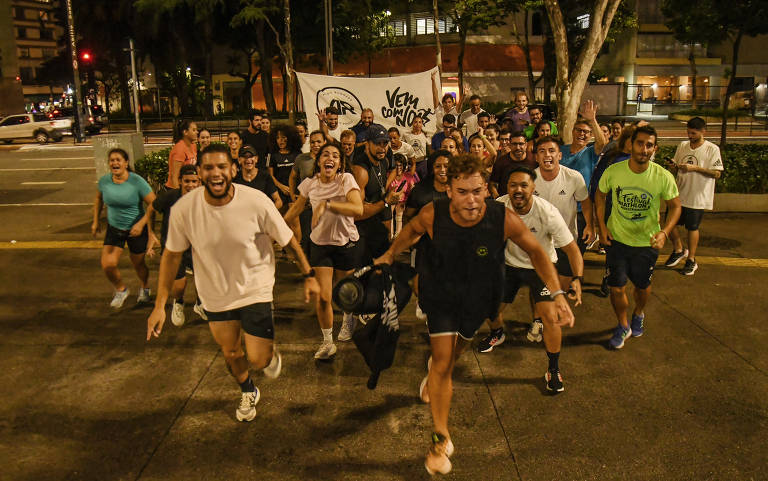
pixel 247 149
pixel 376 133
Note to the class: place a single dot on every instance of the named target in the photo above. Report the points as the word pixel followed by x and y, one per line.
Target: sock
pixel 327 335
pixel 247 385
pixel 538 319
pixel 553 358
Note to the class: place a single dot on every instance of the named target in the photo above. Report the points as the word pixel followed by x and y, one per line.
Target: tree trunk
pixel 692 60
pixel 289 61
pixel 729 90
pixel 438 48
pixel 462 48
pixel 125 93
pixel 265 64
pixel 569 85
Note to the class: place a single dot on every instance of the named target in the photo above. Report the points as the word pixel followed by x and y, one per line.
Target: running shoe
pixel 326 350
pixel 420 315
pixel 675 257
pixel 437 457
pixel 177 314
pixel 246 411
pixel 690 267
pixel 637 324
pixel 620 334
pixel 200 311
pixel 495 338
pixel 119 298
pixel 347 327
pixel 591 245
pixel 423 391
pixel 143 297
pixel 534 332
pixel 272 371
pixel 554 381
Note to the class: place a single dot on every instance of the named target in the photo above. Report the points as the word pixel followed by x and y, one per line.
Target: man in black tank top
pixel 461 281
pixel 371 170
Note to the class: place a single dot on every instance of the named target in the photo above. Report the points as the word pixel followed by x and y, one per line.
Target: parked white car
pixel 33 126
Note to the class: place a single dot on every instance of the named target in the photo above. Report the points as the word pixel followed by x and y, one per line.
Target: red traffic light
pixel 86 56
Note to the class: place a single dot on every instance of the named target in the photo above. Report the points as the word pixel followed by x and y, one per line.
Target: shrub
pixel 745 168
pixel 154 167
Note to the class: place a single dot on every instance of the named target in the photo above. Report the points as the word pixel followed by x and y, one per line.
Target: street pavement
pixel 86 397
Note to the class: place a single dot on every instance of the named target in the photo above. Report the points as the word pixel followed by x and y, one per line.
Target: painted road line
pixel 94 244
pixel 44 183
pixel 705 260
pixel 49 204
pixel 47 168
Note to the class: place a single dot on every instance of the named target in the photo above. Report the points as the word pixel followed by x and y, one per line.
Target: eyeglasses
pixel 502 139
pixel 582 131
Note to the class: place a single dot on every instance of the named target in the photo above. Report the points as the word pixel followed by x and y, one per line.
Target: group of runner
pixel 506 215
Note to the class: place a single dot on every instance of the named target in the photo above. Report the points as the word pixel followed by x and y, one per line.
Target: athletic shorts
pixel 118 238
pixel 627 262
pixel 563 265
pixel 581 224
pixel 446 324
pixel 690 218
pixel 517 277
pixel 343 258
pixel 256 319
pixel 185 264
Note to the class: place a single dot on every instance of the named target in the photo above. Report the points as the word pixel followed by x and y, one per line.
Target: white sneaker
pixel 272 371
pixel 143 297
pixel 534 332
pixel 246 411
pixel 177 314
pixel 423 392
pixel 420 315
pixel 119 298
pixel 347 327
pixel 200 311
pixel 326 350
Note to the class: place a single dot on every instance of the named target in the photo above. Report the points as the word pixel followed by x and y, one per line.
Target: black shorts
pixel 118 238
pixel 256 319
pixel 446 324
pixel 581 224
pixel 374 239
pixel 690 218
pixel 184 265
pixel 343 258
pixel 516 277
pixel 624 262
pixel 563 265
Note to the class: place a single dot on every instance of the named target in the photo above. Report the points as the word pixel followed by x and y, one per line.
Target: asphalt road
pixel 85 397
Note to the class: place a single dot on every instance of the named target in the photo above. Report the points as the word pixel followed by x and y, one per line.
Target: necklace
pixel 377 170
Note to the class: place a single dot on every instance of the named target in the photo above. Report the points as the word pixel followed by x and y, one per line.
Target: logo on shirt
pixel 717 163
pixel 690 159
pixel 482 251
pixel 634 202
pixel 562 192
pixel 544 292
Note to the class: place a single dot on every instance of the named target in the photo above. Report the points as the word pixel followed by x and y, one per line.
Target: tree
pixel 692 26
pixel 524 40
pixel 571 81
pixel 436 26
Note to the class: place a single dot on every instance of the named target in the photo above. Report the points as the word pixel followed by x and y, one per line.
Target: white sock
pixel 327 334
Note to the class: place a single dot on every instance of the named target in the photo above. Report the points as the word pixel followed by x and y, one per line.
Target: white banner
pixel 395 101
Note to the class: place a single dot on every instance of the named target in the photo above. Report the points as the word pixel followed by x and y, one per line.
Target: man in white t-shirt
pixel 468 118
pixel 417 139
pixel 549 228
pixel 443 106
pixel 398 146
pixel 698 164
pixel 329 124
pixel 230 229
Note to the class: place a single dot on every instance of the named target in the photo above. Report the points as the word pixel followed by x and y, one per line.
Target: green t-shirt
pixel 125 201
pixel 636 200
pixel 528 131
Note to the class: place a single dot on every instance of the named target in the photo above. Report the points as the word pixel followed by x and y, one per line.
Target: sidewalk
pixel 87 398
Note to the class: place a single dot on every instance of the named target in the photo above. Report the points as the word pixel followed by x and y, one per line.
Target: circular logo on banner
pixel 344 101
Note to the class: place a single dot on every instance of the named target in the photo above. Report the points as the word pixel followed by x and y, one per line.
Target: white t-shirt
pixel 231 246
pixel 419 142
pixel 305 147
pixel 564 191
pixel 470 120
pixel 439 113
pixel 336 133
pixel 332 228
pixel 546 224
pixel 697 191
pixel 405 149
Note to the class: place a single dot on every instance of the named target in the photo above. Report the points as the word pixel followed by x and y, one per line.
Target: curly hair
pixel 290 132
pixel 465 165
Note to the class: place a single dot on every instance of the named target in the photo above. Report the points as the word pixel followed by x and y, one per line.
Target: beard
pixel 227 184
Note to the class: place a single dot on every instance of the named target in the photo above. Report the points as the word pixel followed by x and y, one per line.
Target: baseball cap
pixel 376 133
pixel 247 149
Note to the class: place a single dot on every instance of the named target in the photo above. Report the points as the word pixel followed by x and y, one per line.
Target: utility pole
pixel 328 36
pixel 77 130
pixel 135 86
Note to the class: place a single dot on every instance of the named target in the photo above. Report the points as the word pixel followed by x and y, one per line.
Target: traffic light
pixel 86 56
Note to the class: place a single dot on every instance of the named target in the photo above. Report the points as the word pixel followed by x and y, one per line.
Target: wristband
pixel 556 293
pixel 579 278
pixel 309 274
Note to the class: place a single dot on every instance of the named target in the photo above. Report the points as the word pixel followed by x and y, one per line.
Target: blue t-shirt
pixel 438 138
pixel 584 161
pixel 125 202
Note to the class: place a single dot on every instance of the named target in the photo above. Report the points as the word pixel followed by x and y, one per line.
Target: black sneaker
pixel 492 340
pixel 554 381
pixel 690 267
pixel 676 257
pixel 605 291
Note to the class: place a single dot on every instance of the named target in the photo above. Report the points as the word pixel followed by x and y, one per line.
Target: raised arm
pixel 589 112
pixel 411 233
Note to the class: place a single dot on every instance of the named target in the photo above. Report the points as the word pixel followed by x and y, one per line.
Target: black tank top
pixel 462 273
pixel 376 186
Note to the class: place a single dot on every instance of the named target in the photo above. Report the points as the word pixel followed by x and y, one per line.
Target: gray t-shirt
pixel 304 166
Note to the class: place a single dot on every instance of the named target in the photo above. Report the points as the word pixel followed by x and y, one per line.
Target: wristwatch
pixel 309 274
pixel 556 293
pixel 579 278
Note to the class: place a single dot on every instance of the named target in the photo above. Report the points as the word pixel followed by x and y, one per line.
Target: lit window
pixel 583 21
